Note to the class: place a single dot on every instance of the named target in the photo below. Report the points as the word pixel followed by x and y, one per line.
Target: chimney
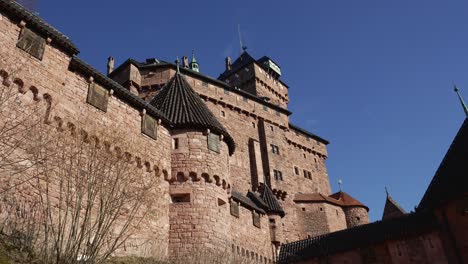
pixel 185 62
pixel 228 63
pixel 110 65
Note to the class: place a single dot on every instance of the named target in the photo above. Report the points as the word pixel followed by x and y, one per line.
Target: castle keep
pixel 234 174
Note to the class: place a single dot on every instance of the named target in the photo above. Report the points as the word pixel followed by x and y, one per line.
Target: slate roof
pixel 273 206
pixel 36 23
pixel 310 134
pixel 392 209
pixel 119 90
pixel 245 201
pixel 185 109
pixel 243 60
pixel 451 178
pixel 358 237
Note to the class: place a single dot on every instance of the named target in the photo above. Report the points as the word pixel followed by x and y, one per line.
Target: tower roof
pixel 269 198
pixel 392 209
pixel 185 109
pixel 347 200
pixel 450 179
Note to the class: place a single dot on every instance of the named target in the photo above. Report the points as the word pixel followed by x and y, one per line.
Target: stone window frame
pixel 28 34
pixel 278 175
pixel 214 142
pixel 256 221
pixel 145 119
pixel 90 98
pixel 234 208
pixel 274 149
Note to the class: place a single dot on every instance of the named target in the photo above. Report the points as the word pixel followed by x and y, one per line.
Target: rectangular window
pixel 213 142
pixel 305 174
pixel 149 126
pixel 296 170
pixel 234 208
pixel 175 143
pixel 180 198
pixel 256 219
pixel 309 175
pixel 98 97
pixel 31 43
pixel 274 149
pixel 278 175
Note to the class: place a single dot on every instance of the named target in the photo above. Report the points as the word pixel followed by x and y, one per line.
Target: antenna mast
pixel 242 47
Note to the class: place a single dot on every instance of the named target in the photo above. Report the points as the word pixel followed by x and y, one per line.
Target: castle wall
pixel 422 249
pixel 254 241
pixel 68 92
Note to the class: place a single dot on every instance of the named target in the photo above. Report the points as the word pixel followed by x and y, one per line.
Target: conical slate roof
pixel 185 109
pixel 450 180
pixel 392 209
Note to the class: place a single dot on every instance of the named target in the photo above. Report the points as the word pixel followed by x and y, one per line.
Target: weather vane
pixel 340 182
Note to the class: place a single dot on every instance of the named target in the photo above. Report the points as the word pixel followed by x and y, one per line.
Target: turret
pixel 194 63
pixel 200 184
pixel 392 209
pixel 356 213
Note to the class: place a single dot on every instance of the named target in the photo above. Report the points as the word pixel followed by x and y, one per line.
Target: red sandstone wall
pixel 68 91
pixel 249 238
pixel 424 249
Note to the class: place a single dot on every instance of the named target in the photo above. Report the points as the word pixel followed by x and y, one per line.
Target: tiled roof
pixel 246 202
pixel 341 199
pixel 270 200
pixel 119 90
pixel 451 178
pixel 347 200
pixel 310 134
pixel 38 25
pixel 185 109
pixel 357 237
pixel 392 209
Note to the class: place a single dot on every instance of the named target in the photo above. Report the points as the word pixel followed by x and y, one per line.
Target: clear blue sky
pixel 373 77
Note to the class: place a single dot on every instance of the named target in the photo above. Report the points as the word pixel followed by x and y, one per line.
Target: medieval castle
pixel 235 174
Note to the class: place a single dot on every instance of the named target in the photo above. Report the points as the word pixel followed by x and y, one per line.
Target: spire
pixel 340 182
pixel 465 108
pixel 177 65
pixel 392 209
pixel 194 63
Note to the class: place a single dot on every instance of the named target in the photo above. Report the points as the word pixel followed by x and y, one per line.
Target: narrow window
pixel 256 219
pixel 253 124
pixel 234 208
pixel 305 174
pixel 175 143
pixel 296 170
pixel 223 114
pixel 271 128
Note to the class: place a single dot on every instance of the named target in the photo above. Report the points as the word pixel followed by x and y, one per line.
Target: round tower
pixel 199 184
pixel 356 213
